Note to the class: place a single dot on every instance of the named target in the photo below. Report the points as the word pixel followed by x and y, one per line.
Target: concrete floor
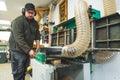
pixel 5 72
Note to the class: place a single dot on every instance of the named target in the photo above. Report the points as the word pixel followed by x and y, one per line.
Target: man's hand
pixel 32 54
pixel 38 50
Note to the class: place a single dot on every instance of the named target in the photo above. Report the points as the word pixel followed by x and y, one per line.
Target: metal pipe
pixel 93 36
pixel 103 49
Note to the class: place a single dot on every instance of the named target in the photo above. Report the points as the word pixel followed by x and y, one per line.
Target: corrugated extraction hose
pixel 103 56
pixel 83 32
pixel 109 6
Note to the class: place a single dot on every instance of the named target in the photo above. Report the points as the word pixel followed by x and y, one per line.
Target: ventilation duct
pixel 109 6
pixel 83 32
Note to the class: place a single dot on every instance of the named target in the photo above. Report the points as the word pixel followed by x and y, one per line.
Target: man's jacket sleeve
pixel 18 34
pixel 37 37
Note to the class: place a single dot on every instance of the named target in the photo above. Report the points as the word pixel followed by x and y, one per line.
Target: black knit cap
pixel 29 6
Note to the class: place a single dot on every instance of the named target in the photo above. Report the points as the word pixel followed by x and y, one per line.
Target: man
pixel 24 30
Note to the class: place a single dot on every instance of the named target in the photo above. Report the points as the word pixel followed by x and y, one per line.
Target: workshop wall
pixel 56 16
pixel 118 5
pixel 96 4
pixel 71 4
pixel 6 35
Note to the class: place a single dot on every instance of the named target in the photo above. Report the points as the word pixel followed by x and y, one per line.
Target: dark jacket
pixel 23 34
